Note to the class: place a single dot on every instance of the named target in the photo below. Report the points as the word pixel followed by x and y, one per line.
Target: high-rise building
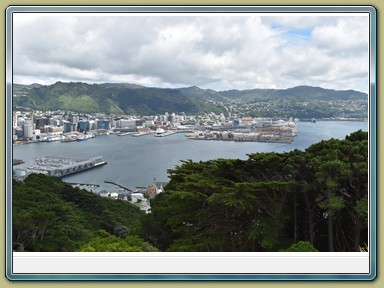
pixel 83 126
pixel 105 124
pixel 41 122
pixel 28 131
pixel 92 125
pixel 67 127
pixel 74 118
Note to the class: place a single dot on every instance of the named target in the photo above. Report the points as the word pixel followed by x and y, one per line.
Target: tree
pixel 51 216
pixel 267 202
pixel 301 246
pixel 105 242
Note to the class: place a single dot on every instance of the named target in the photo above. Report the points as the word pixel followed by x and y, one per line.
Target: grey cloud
pixel 210 52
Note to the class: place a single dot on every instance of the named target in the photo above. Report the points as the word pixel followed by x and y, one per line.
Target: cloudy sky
pixel 219 52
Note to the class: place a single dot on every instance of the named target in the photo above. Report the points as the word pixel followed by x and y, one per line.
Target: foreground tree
pixel 266 203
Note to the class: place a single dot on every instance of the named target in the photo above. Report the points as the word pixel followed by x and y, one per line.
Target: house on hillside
pixel 154 189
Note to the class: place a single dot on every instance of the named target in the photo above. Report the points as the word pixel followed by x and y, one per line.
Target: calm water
pixel 136 161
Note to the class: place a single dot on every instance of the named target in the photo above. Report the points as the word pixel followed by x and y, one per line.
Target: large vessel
pixel 159 132
pixel 123 133
pixel 84 137
pixel 70 138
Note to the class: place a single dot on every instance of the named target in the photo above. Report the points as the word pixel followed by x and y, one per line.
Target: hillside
pixel 110 98
pixel 52 216
pixel 125 98
pixel 298 93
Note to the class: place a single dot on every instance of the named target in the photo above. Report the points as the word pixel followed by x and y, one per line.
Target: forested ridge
pixel 123 98
pixel 312 200
pixel 109 98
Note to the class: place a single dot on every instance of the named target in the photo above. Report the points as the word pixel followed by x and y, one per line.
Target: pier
pixel 118 185
pixel 60 166
pixel 17 162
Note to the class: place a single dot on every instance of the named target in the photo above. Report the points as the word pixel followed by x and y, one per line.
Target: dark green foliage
pixel 309 200
pixel 301 246
pixel 268 202
pixel 50 215
pixel 105 242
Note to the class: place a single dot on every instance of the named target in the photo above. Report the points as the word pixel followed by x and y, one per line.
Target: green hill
pixel 299 93
pixel 125 98
pixel 111 98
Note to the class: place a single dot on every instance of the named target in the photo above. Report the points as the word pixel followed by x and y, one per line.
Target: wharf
pixel 60 166
pixel 278 136
pixel 17 162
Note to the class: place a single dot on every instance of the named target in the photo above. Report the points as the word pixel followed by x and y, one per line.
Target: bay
pixel 138 161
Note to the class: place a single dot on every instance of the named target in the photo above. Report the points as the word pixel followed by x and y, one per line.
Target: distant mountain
pixel 125 98
pixel 298 93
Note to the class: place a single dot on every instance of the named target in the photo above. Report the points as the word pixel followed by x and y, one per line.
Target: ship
pixel 84 137
pixel 71 138
pixel 123 133
pixel 160 132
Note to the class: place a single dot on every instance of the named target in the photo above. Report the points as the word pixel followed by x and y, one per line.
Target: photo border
pixel 204 9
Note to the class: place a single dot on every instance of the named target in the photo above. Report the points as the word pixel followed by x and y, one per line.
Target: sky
pixel 214 51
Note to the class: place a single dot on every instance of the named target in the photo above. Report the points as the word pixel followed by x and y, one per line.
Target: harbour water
pixel 137 161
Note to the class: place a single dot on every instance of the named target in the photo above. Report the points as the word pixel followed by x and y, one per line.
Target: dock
pixel 61 166
pixel 17 162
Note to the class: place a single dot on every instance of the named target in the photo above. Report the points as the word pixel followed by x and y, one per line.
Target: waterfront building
pixel 149 123
pixel 74 118
pixel 139 122
pixel 127 123
pixel 41 122
pixel 92 125
pixel 67 127
pixel 19 132
pixel 27 131
pixel 97 124
pixel 105 124
pixel 83 126
pixel 54 129
pixel 246 120
pixel 74 127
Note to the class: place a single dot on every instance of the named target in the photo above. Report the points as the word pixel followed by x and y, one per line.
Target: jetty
pixel 118 185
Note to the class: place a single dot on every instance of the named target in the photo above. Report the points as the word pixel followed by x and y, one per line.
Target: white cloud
pixel 227 52
pixel 347 37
